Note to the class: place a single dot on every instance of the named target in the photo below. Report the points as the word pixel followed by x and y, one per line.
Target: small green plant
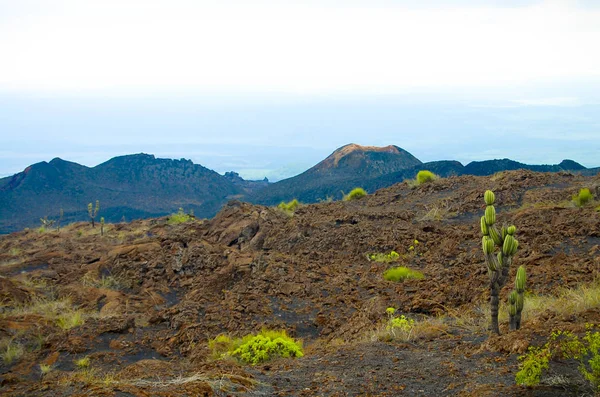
pixel 82 363
pixel 70 320
pixel 255 349
pixel 384 258
pixel 400 327
pixel 289 207
pixel 102 226
pixel 11 351
pixel 355 194
pixel 93 212
pixel 425 176
pixel 179 217
pixel 584 197
pixel 531 365
pixel 45 369
pixel 41 230
pixel 402 273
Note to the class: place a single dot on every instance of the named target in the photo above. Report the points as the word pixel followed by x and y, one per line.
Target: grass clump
pixel 355 194
pixel 384 258
pixel 179 217
pixel 584 197
pixel 401 273
pixel 406 329
pixel 289 207
pixel 82 363
pixel 425 176
pixel 11 351
pixel 258 348
pixel 70 320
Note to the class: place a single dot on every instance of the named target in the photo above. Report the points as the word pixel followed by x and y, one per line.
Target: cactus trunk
pixel 494 305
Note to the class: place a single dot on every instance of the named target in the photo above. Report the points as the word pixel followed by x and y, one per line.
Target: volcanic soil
pixel 151 294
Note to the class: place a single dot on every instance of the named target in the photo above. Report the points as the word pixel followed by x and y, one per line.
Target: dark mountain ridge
pixel 141 185
pixel 133 186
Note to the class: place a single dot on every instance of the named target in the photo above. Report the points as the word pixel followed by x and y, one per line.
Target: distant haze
pixel 267 89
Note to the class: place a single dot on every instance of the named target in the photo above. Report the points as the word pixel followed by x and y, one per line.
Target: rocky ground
pixel 151 294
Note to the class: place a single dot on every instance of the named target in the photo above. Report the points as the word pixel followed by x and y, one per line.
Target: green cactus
pixel 92 212
pixel 516 304
pixel 102 226
pixel 499 264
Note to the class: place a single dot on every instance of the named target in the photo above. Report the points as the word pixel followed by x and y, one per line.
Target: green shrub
pixel 289 207
pixel 531 366
pixel 355 194
pixel 256 349
pixel 584 197
pixel 179 217
pixel 399 327
pixel 402 273
pixel 563 345
pixel 425 176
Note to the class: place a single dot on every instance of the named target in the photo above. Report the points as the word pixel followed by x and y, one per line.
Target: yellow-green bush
pixel 255 349
pixel 355 194
pixel 179 217
pixel 563 345
pixel 402 273
pixel 584 197
pixel 289 207
pixel 425 176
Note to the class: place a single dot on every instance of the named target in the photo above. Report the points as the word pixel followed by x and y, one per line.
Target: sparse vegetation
pixel 384 258
pixel 438 212
pixel 402 273
pixel 102 226
pixel 179 217
pixel 83 363
pixel 406 329
pixel 355 194
pixel 584 197
pixel 256 349
pixel 70 320
pixel 11 351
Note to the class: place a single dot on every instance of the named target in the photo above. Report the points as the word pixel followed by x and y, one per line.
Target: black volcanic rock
pixel 347 167
pixel 134 186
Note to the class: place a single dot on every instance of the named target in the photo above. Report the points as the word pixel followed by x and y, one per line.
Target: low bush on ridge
pixel 289 207
pixel 355 194
pixel 425 176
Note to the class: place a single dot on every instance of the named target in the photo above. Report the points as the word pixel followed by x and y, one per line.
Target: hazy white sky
pixel 309 47
pixel 145 75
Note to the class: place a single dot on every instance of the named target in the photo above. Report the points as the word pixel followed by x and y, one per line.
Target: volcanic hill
pixel 129 187
pixel 150 294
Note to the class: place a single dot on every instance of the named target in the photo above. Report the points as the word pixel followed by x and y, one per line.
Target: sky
pixel 269 88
